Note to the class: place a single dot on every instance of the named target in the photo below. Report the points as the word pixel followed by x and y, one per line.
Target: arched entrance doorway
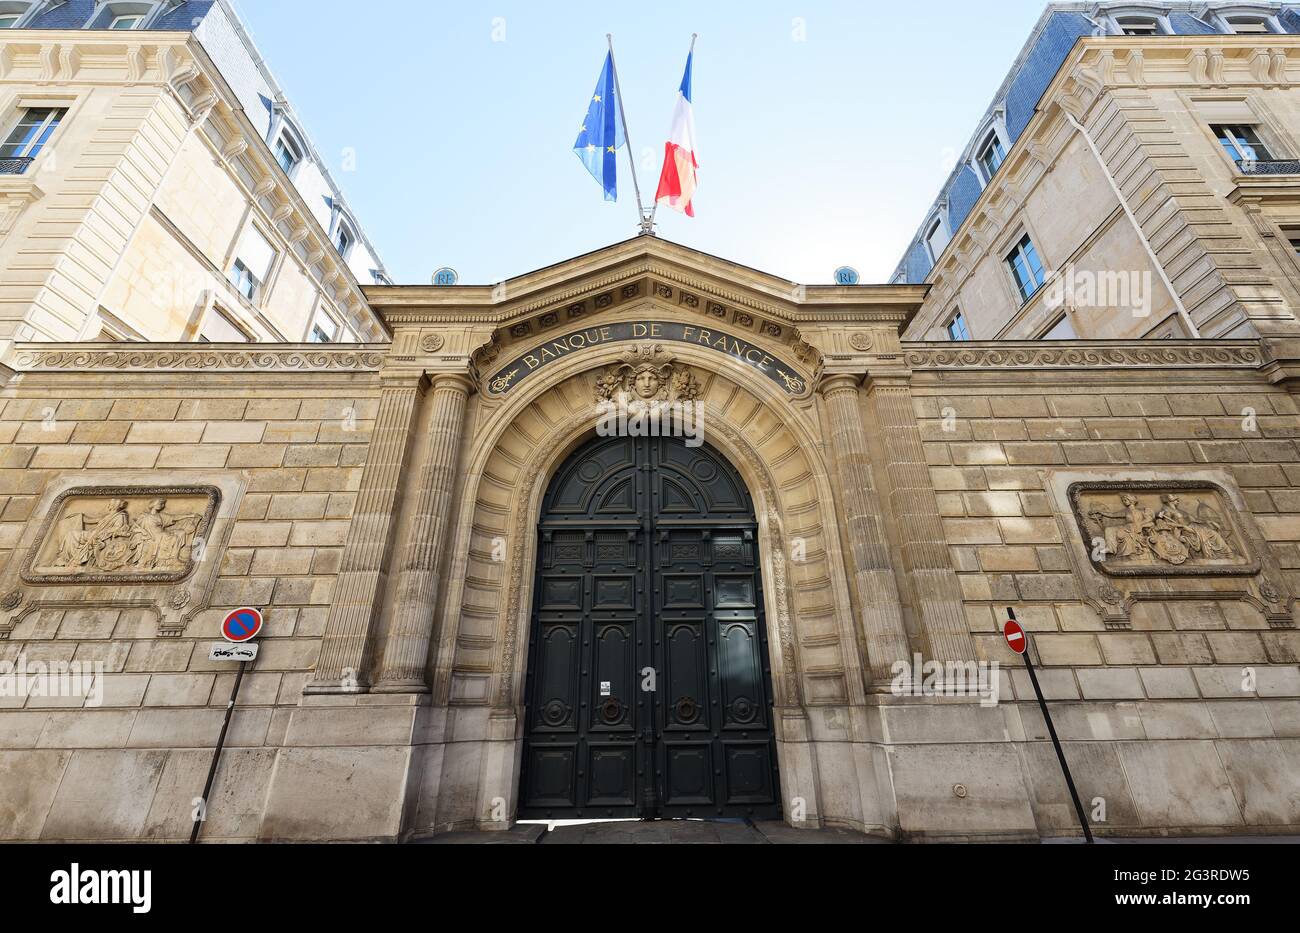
pixel 649 690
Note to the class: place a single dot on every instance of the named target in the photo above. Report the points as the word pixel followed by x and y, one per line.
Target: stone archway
pixel 816 650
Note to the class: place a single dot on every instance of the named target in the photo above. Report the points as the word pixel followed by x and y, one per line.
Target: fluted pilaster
pixel 407 649
pixel 926 557
pixel 877 586
pixel 344 649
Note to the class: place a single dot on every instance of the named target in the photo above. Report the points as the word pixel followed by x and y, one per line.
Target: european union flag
pixel 602 133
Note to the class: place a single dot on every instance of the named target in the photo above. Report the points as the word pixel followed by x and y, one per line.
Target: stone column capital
pixel 834 383
pixel 451 380
pixel 403 379
pixel 888 380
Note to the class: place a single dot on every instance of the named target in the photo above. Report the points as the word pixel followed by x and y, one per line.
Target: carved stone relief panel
pixel 104 540
pixel 128 534
pixel 1173 534
pixel 1156 529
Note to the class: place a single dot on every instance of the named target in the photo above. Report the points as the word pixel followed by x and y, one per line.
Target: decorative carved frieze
pixel 1006 355
pixel 1154 529
pixel 122 535
pixel 36 358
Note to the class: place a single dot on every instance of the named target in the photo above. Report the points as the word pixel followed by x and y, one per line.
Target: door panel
pixel 648 577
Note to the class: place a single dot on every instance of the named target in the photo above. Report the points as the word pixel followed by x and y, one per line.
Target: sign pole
pixel 1016 635
pixel 216 755
pixel 647 224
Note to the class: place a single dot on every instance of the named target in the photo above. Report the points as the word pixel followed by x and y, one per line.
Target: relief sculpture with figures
pixel 94 536
pixel 1137 529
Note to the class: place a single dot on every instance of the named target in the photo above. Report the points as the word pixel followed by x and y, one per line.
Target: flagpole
pixel 654 208
pixel 647 224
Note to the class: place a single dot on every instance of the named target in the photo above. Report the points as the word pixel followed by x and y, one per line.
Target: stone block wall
pixel 1179 707
pixel 1186 715
pixel 293 446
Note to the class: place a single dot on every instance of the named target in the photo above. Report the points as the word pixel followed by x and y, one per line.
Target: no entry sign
pixel 241 625
pixel 1015 637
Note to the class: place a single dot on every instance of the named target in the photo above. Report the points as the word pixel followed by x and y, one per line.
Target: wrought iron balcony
pixel 14 166
pixel 1269 167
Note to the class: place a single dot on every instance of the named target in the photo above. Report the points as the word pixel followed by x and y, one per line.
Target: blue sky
pixel 825 128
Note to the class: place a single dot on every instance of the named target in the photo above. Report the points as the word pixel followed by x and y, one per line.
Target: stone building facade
pixel 156 185
pixel 390 506
pixel 1169 130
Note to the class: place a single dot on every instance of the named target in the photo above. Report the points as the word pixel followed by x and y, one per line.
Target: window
pixel 936 239
pixel 28 138
pixel 957 329
pixel 991 156
pixel 11 12
pixel 245 280
pixel 218 327
pixel 287 153
pixel 1248 25
pixel 252 267
pixel 1293 237
pixel 1061 330
pixel 344 240
pixel 324 329
pixel 124 14
pixel 1139 25
pixel 1242 144
pixel 1026 268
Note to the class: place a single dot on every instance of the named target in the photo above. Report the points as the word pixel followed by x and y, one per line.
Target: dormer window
pixel 1249 25
pixel 344 241
pixel 991 155
pixel 288 153
pixel 124 14
pixel 12 12
pixel 1139 25
pixel 936 239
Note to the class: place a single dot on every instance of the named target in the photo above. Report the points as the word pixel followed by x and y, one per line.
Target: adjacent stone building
pixel 156 184
pixel 1169 130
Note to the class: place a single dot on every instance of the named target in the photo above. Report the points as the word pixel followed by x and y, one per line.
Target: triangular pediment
pixel 672 274
pixel 645 288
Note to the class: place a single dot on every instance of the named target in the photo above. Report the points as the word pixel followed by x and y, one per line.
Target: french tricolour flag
pixel 677 181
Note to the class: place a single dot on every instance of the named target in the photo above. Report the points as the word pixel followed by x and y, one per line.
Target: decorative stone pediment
pixel 652 280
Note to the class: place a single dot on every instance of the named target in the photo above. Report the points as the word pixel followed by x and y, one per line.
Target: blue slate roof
pixel 74 14
pixel 1061 25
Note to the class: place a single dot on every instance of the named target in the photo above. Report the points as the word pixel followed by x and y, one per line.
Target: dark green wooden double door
pixel 649 690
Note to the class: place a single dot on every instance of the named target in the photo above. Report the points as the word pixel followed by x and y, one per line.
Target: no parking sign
pixel 242 625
